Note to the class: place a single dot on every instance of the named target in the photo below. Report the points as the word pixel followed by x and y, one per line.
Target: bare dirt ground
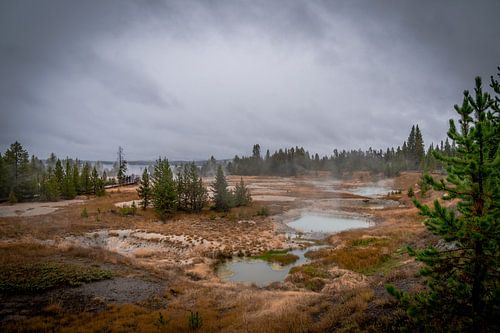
pixel 167 269
pixel 34 208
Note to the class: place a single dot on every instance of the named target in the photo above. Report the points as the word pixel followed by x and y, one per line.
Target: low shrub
pixel 128 211
pixel 194 321
pixel 281 257
pixel 263 211
pixel 311 271
pixel 39 276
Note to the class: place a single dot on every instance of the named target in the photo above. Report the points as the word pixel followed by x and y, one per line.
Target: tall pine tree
pixel 144 190
pixel 49 188
pixel 85 181
pixel 16 160
pixel 197 192
pixel 242 195
pixel 68 190
pixel 222 197
pixel 419 152
pixel 122 166
pixel 164 189
pixel 463 274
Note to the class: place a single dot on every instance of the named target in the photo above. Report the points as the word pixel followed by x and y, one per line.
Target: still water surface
pixel 262 273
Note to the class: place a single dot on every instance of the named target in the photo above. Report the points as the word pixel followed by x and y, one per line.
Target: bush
pixel 12 197
pixel 128 211
pixel 194 321
pixel 264 211
pixel 281 257
pixel 84 213
pixel 315 284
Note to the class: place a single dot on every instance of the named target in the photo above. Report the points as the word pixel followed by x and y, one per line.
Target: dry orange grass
pixel 223 307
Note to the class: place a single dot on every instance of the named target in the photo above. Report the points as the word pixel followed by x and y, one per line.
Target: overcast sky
pixel 190 79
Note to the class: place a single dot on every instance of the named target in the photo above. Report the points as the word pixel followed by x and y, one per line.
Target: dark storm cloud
pixel 188 79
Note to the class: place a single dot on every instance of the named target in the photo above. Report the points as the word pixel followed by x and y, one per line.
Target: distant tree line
pixel 23 178
pixel 186 192
pixel 293 161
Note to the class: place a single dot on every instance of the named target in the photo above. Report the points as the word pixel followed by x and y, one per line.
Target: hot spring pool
pixel 311 223
pixel 259 272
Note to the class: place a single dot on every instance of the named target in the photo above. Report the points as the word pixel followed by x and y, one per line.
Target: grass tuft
pixel 281 257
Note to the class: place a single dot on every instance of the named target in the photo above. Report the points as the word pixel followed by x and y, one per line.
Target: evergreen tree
pixel 37 171
pixel 222 196
pixel 164 192
pixel 209 168
pixel 85 182
pixel 95 181
pixel 182 189
pixel 410 145
pixel 197 192
pixel 419 152
pixel 190 190
pixel 68 190
pixel 51 161
pixel 50 190
pixel 100 190
pixel 242 195
pixel 462 275
pixel 4 188
pixel 122 166
pixel 16 160
pixel 59 175
pixel 447 147
pixel 76 177
pixel 144 190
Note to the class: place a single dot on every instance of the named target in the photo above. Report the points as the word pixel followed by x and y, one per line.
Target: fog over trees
pixel 24 179
pixel 411 155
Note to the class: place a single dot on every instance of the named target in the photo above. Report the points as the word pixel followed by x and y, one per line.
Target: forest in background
pixel 23 178
pixel 410 156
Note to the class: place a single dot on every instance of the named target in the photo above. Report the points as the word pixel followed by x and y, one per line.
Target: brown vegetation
pixel 340 289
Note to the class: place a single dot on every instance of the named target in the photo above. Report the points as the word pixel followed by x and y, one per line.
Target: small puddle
pixel 311 223
pixel 260 272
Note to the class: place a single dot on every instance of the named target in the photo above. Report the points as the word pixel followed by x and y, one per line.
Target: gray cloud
pixel 188 79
